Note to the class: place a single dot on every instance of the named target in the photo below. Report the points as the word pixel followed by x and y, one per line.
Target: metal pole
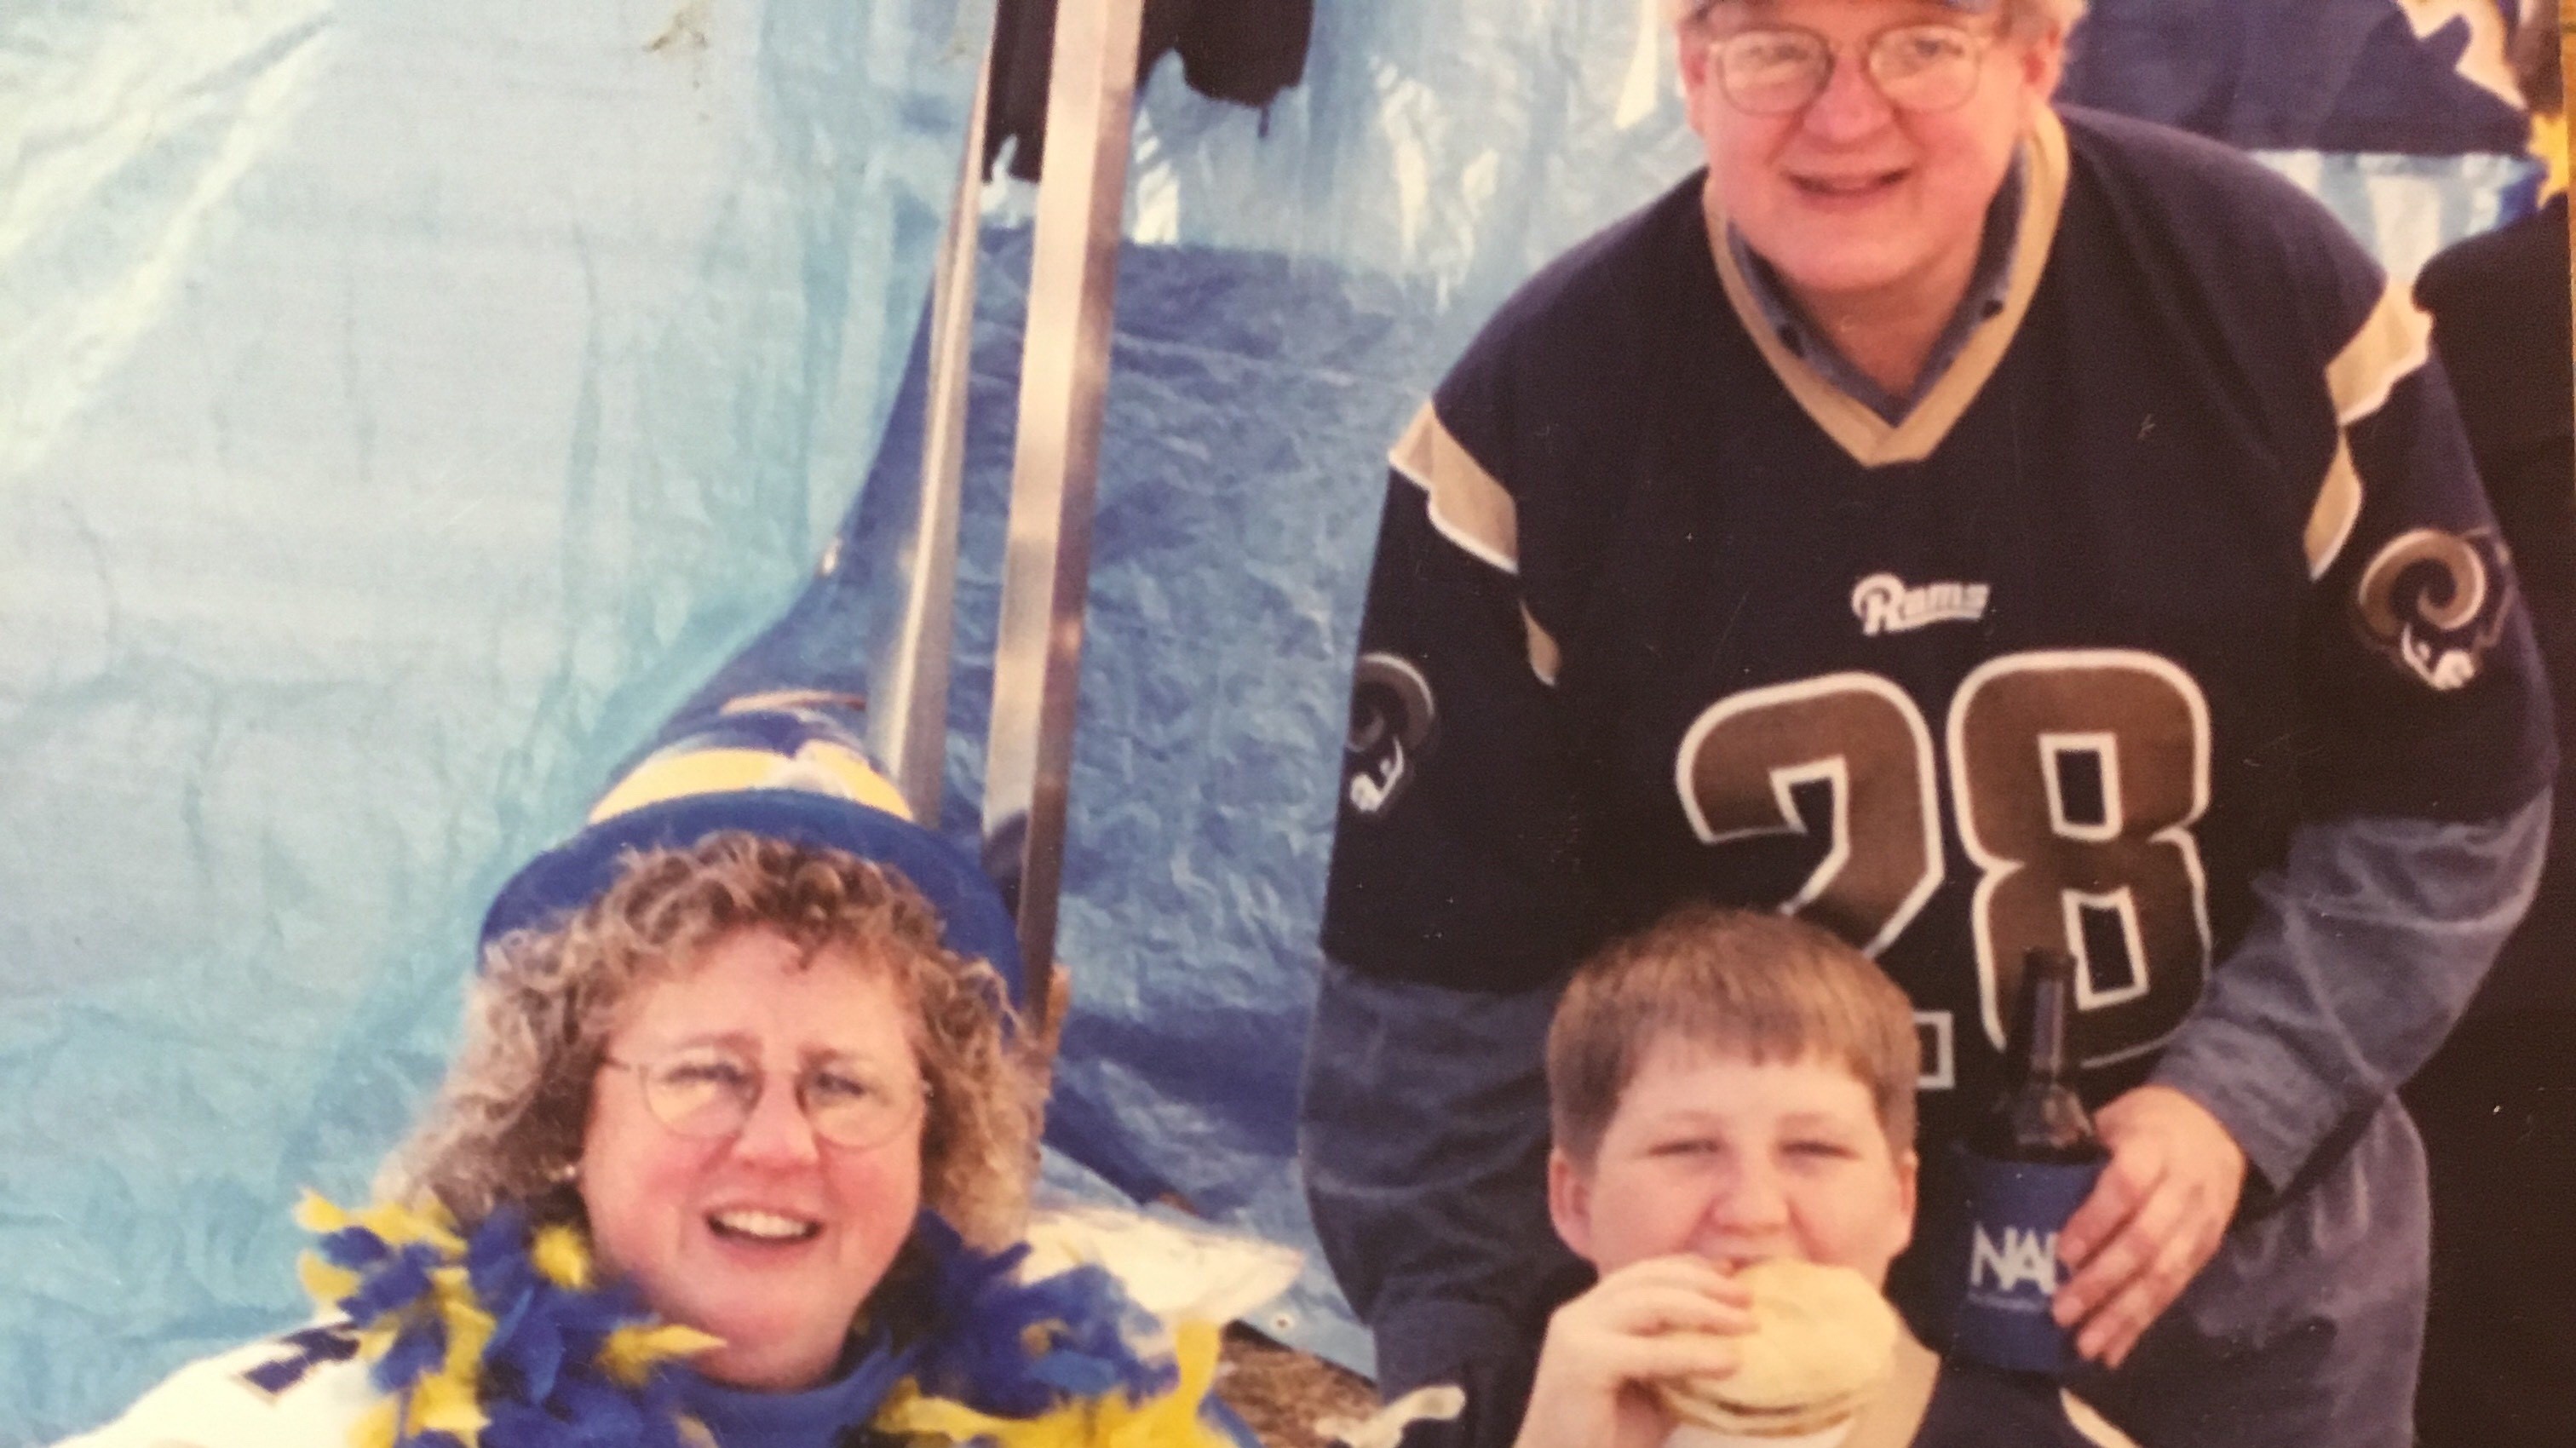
pixel 910 716
pixel 1064 378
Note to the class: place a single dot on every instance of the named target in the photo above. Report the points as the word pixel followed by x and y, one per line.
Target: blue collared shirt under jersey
pixel 1983 302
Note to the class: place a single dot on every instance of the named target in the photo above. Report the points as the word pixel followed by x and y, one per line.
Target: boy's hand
pixel 2151 1223
pixel 1665 1317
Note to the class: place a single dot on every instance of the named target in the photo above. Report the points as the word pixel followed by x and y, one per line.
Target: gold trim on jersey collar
pixel 1469 505
pixel 2391 345
pixel 1473 510
pixel 1870 439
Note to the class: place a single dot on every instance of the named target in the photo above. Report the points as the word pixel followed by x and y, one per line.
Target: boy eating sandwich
pixel 1732 1100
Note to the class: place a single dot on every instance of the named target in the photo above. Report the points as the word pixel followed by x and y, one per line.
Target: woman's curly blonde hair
pixel 508 1124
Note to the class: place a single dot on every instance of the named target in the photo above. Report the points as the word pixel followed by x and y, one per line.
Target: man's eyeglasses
pixel 708 1091
pixel 1774 70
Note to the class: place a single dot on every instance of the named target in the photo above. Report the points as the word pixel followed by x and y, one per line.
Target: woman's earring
pixel 565 1175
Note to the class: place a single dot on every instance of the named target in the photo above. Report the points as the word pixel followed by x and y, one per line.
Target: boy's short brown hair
pixel 1762 987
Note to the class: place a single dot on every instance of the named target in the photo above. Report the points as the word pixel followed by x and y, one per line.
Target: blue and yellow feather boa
pixel 506 1338
pixel 2549 145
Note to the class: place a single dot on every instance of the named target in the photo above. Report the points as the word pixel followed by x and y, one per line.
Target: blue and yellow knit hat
pixel 784 767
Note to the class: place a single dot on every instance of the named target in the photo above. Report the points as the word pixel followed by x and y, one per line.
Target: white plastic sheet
pixel 402 405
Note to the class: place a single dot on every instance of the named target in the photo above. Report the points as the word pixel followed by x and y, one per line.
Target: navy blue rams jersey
pixel 2183 549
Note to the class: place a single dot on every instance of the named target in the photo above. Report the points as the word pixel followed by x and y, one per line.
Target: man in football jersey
pixel 1973 527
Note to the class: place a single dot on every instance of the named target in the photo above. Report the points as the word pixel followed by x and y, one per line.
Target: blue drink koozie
pixel 2006 1269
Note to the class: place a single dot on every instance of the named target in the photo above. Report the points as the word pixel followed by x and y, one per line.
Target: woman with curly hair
pixel 733 1152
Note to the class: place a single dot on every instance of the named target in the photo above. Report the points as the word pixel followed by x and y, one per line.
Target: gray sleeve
pixel 2365 948
pixel 1423 1138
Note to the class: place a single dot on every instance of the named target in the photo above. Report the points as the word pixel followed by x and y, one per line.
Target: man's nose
pixel 777 1131
pixel 1851 103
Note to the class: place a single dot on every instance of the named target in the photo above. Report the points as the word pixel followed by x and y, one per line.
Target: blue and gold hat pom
pixel 782 766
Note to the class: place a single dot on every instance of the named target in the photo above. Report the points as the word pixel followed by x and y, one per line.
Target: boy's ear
pixel 1569 1202
pixel 1908 1166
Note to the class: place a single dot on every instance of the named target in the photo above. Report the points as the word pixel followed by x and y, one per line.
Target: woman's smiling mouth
pixel 768 1228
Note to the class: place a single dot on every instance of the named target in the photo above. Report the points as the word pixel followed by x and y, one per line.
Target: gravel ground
pixel 1285 1394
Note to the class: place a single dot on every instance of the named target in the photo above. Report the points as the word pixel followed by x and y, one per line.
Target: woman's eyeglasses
pixel 707 1091
pixel 1774 70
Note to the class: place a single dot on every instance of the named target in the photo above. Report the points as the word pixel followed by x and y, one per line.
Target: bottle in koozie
pixel 2027 1164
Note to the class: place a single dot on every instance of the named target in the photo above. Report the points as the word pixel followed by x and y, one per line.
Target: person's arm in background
pixel 2507 354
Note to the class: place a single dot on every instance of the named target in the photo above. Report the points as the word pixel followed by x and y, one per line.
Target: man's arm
pixel 2423 770
pixel 1454 907
pixel 2425 767
pixel 2369 944
pixel 1423 1136
pixel 2370 941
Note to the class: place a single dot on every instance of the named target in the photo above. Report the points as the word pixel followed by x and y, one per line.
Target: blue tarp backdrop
pixel 407 407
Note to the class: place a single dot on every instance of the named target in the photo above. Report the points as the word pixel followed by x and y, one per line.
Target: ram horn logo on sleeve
pixel 2435 602
pixel 1393 726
